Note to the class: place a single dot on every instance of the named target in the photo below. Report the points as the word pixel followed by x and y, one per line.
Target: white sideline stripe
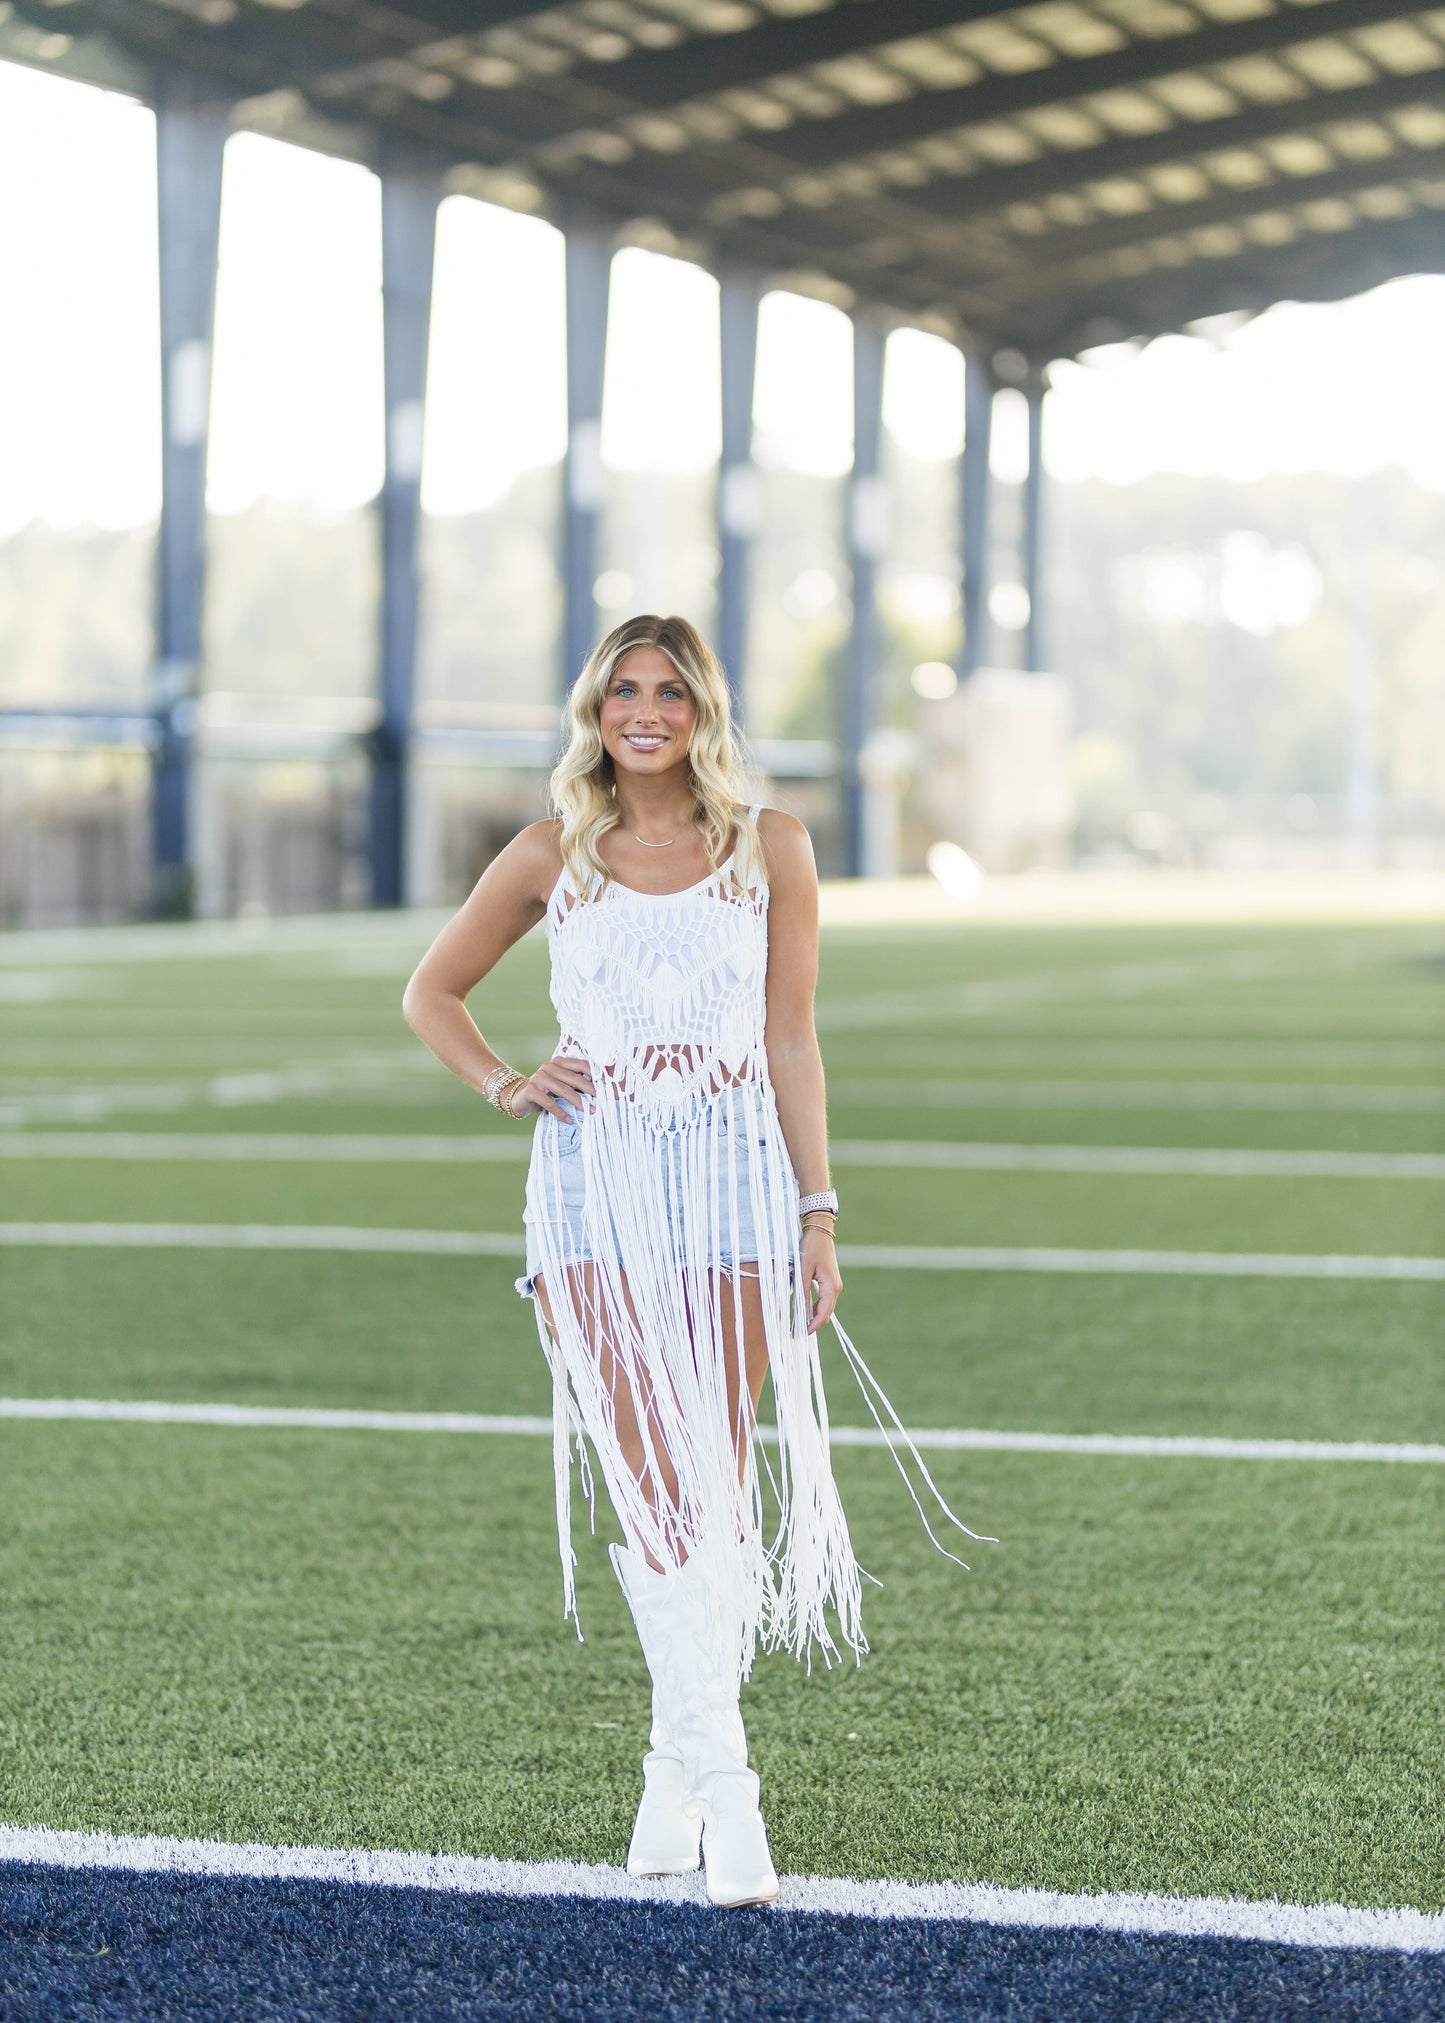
pixel 1206 1160
pixel 947 1439
pixel 1156 1095
pixel 441 1148
pixel 886 1257
pixel 1321 1925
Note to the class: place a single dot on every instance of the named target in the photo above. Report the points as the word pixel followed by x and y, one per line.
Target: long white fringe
pixel 641 1312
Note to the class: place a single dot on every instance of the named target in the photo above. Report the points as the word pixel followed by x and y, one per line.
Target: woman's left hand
pixel 820 1275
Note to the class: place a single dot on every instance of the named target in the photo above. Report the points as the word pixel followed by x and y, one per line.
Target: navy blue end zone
pixel 77 1945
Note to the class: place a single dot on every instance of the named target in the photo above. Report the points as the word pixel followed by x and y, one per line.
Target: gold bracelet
pixel 498 1086
pixel 828 1226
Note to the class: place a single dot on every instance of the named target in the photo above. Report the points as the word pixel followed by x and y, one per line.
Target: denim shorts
pixel 556 1183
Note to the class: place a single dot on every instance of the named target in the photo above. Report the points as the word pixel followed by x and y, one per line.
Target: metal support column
pixel 589 275
pixel 190 139
pixel 409 197
pixel 1036 636
pixel 867 538
pixel 978 391
pixel 737 499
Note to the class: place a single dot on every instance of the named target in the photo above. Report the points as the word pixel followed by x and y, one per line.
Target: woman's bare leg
pixel 636 1419
pixel 740 1304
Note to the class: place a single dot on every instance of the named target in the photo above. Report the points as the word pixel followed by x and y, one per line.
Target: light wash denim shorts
pixel 556 1183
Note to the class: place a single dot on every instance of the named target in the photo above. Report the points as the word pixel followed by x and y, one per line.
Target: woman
pixel 679 1211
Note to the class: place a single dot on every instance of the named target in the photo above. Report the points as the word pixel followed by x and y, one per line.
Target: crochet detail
pixel 663 992
pixel 687 1244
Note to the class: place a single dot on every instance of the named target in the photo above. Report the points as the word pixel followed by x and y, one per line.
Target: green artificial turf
pixel 1280 1359
pixel 1181 1675
pixel 1166 1676
pixel 887 1205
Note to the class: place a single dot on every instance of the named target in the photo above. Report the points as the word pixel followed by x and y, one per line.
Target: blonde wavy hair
pixel 583 783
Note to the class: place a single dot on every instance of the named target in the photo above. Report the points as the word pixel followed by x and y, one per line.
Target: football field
pixel 1143 1236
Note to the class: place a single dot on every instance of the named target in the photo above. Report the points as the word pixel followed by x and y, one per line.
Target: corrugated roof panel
pixel 1063 126
pixel 1150 19
pixel 864 81
pixel 1178 182
pixel 1399 47
pixel 1120 197
pixel 1331 64
pixel 1297 154
pixel 1069 207
pixel 902 169
pixel 713 17
pixel 999 47
pixel 1170 252
pixel 1194 94
pixel 1270 228
pixel 1423 126
pixel 1000 141
pixel 1327 214
pixel 1216 242
pixel 932 64
pixel 1076 31
pixel 656 131
pixel 1261 79
pixel 1129 112
pixel 1238 169
pixel 1361 140
pixel 807 96
pixel 947 153
pixel 1235 10
pixel 706 120
pixel 1387 201
pixel 813 192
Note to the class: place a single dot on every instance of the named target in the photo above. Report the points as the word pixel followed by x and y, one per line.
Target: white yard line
pixel 439 1148
pixel 1207 1161
pixel 886 1257
pixel 1318 1925
pixel 1148 1095
pixel 331 1419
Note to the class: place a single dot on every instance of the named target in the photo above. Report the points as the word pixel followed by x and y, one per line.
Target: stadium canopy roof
pixel 1034 179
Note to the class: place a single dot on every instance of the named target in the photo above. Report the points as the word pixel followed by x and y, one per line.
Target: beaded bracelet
pixel 500 1085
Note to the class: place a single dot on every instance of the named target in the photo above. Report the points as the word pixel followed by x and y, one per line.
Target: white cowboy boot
pixel 668 1829
pixel 692 1640
pixel 707 1727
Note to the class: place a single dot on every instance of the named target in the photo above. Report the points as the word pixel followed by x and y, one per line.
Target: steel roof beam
pixel 710 63
pixel 967 195
pixel 1044 259
pixel 817 143
pixel 1327 266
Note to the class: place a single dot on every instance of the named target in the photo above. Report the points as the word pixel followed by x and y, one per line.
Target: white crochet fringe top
pixel 682 1160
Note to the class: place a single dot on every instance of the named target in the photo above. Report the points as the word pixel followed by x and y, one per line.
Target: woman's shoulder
pixel 787 846
pixel 536 853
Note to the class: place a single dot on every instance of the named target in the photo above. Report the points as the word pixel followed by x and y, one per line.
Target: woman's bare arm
pixel 507 900
pixel 795 1065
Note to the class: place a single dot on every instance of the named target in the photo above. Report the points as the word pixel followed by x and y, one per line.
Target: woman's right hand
pixel 566 1076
